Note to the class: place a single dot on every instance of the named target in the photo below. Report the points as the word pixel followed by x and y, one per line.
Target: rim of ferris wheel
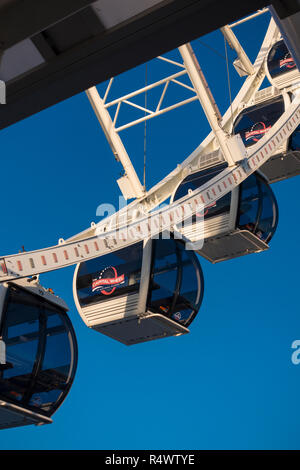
pixel 20 265
pixel 52 258
pixel 205 151
pixel 147 317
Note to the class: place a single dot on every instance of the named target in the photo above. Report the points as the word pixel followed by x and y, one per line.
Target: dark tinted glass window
pixel 249 203
pixel 176 285
pixel 280 60
pixel 294 142
pixel 164 275
pixel 54 373
pixel 258 210
pixel 194 181
pixel 110 275
pixel 41 352
pixel 190 289
pixel 268 216
pixel 253 123
pixel 22 336
pixel 190 278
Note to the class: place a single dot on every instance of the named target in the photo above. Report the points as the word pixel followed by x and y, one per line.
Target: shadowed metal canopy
pixel 55 49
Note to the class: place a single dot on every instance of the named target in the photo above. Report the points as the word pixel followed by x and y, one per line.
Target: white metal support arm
pixel 206 99
pixel 95 241
pixel 114 140
pixel 243 64
pixel 157 107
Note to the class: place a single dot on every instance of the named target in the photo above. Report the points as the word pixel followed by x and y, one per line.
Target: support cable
pixel 145 128
pixel 229 84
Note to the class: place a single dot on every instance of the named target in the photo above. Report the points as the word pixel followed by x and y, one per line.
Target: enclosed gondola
pixel 281 69
pixel 254 122
pixel 241 222
pixel 38 353
pixel 149 290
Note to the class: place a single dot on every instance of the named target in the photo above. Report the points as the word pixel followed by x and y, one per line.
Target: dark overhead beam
pixel 20 19
pixel 164 27
pixel 285 8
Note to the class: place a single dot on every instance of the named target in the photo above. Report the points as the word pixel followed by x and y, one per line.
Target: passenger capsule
pixel 149 290
pixel 241 222
pixel 281 69
pixel 254 122
pixel 38 354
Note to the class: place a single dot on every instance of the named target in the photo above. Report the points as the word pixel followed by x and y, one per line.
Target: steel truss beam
pixel 161 191
pixel 119 230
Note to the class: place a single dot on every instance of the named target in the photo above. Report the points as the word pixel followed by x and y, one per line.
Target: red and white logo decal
pixel 177 316
pixel 288 62
pixel 205 211
pixel 108 281
pixel 257 131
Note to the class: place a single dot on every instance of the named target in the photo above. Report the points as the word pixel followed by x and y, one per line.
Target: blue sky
pixel 230 383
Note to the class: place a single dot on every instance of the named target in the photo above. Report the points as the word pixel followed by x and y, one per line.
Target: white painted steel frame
pixel 235 44
pixel 206 99
pixel 161 191
pixel 249 17
pixel 29 263
pixel 114 140
pixel 150 113
pixel 94 242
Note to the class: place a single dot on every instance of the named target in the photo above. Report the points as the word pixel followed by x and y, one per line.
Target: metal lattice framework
pixel 139 219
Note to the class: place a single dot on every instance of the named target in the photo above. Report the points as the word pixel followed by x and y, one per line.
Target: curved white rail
pixel 59 256
pixel 164 189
